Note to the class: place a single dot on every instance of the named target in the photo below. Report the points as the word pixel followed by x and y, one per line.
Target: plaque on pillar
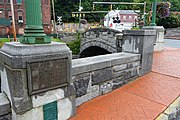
pixel 47 75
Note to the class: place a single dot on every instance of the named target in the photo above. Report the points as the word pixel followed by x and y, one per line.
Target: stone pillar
pixel 34 32
pixel 159 43
pixel 153 22
pixel 140 42
pixel 37 80
pixel 119 42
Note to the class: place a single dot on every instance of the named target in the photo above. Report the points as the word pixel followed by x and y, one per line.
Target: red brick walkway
pixel 143 99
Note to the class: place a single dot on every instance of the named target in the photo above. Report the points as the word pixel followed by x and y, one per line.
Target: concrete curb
pixel 172 112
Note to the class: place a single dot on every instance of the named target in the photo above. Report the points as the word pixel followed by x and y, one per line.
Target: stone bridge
pixel 99 41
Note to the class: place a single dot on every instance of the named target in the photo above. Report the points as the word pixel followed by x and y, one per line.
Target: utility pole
pixel 13 20
pixel 153 22
pixel 80 8
pixel 54 20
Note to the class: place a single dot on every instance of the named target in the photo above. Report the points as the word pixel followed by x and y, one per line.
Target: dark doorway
pixel 93 51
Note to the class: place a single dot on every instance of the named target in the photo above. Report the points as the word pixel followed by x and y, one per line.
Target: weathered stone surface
pixel 6 117
pixel 33 114
pixel 147 60
pixel 86 97
pixel 48 97
pixel 65 109
pixel 139 32
pixel 14 84
pixel 81 85
pixel 105 87
pixel 100 76
pixel 159 40
pixel 141 42
pixel 69 91
pixel 4 105
pixel 84 65
pixel 101 37
pixel 16 55
pixel 145 70
pixel 119 67
pixel 14 73
pixel 45 75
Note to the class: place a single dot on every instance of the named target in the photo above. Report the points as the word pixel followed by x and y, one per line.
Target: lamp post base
pixel 153 24
pixel 35 35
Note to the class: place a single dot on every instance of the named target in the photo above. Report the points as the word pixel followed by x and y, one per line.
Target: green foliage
pixel 75 45
pixel 169 22
pixel 56 40
pixel 135 28
pixel 3 40
pixel 66 8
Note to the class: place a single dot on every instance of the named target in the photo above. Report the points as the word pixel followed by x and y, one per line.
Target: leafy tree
pixel 66 7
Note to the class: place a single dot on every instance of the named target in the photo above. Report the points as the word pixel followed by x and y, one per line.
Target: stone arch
pixel 99 38
pixel 93 51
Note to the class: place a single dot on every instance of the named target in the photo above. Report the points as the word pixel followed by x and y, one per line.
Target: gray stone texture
pixel 119 38
pixel 81 84
pixel 67 36
pixel 101 37
pixel 6 117
pixel 102 75
pixel 14 58
pixel 16 55
pixel 140 42
pixel 5 108
pixel 18 90
pixel 99 75
pixel 88 64
pixel 159 41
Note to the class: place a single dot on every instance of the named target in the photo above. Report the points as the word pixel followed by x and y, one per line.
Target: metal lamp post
pixel 153 22
pixel 34 33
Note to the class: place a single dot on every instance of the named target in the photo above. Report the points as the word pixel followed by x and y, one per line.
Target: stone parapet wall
pixel 95 76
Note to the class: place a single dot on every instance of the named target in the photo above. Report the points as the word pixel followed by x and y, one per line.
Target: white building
pixel 125 17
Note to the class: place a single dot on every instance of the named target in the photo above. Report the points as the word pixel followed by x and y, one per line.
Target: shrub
pixel 171 21
pixel 75 45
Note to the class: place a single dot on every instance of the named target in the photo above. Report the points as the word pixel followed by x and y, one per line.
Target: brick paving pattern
pixel 143 99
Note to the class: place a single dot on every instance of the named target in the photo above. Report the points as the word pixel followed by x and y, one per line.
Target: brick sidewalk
pixel 143 99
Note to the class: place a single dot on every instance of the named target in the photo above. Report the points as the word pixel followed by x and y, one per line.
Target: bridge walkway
pixel 143 99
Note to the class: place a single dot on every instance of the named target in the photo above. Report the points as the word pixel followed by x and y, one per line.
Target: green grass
pixel 3 40
pixel 135 28
pixel 57 40
pixel 74 45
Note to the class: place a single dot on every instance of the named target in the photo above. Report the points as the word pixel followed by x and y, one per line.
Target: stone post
pixel 140 42
pixel 153 22
pixel 159 43
pixel 37 78
pixel 34 32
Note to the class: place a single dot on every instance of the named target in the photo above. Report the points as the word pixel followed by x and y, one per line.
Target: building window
pixel 1 1
pixel 10 16
pixel 124 17
pixel 19 1
pixel 8 1
pixel 20 17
